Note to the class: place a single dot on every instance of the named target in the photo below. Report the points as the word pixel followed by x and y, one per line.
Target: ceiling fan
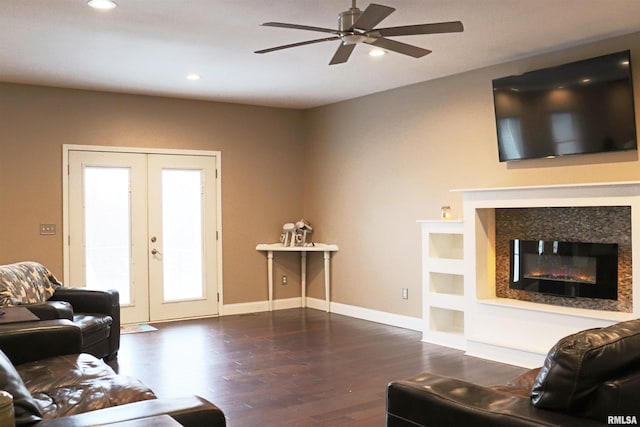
pixel 356 26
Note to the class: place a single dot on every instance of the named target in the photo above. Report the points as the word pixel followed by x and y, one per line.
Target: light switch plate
pixel 47 229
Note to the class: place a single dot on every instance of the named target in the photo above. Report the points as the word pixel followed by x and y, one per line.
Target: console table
pixel 270 248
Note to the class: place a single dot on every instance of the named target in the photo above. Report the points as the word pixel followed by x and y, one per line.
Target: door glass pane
pixel 107 230
pixel 182 234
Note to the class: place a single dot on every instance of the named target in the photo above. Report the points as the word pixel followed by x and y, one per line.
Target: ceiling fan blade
pixel 403 48
pixel 299 27
pixel 286 46
pixel 342 54
pixel 409 30
pixel 372 16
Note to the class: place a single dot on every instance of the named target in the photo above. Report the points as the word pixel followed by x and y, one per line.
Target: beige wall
pixel 377 164
pixel 261 172
pixel 362 171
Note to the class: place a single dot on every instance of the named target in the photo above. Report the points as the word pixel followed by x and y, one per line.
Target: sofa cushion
pixel 77 383
pixel 578 364
pixel 26 283
pixel 616 397
pixel 26 410
pixel 95 328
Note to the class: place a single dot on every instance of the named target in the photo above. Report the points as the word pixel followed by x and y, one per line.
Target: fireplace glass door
pixel 569 269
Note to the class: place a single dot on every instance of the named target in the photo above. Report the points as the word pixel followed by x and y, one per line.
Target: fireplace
pixel 519 327
pixel 568 269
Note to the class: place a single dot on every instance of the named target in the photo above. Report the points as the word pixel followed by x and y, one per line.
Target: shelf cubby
pixel 447 320
pixel 445 245
pixel 446 283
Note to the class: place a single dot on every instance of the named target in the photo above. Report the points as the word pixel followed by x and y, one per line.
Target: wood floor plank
pixel 298 367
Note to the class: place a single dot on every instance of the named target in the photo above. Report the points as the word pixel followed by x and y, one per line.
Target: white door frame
pixel 97 148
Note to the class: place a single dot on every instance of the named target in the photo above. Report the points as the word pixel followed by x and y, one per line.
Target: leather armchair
pixel 95 312
pixel 28 341
pixel 54 386
pixel 433 400
pixel 91 308
pixel 587 378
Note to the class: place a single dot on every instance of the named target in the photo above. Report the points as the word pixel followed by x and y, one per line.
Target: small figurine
pixel 296 234
pixel 288 236
pixel 303 229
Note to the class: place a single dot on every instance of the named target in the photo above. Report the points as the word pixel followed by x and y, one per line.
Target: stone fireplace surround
pixel 591 224
pixel 522 332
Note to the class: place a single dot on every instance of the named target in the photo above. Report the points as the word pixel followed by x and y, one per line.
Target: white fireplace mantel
pixel 555 194
pixel 518 332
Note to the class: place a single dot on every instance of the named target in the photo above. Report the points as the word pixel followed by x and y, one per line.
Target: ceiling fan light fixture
pixel 356 26
pixel 353 38
pixel 377 52
pixel 102 4
pixel 193 77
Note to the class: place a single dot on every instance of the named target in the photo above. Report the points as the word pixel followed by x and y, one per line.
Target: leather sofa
pixel 96 313
pixel 53 384
pixel 591 378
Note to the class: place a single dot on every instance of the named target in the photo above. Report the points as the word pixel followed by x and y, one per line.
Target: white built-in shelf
pixel 585 313
pixel 443 297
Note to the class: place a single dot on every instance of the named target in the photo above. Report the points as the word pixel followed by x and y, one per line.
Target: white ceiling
pixel 149 46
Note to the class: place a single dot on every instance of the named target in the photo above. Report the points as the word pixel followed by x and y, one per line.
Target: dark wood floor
pixel 292 367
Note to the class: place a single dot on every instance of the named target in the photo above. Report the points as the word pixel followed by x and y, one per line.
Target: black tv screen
pixel 577 108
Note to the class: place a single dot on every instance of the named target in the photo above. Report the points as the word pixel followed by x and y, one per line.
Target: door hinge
pixel 218 294
pixel 216 173
pixel 216 234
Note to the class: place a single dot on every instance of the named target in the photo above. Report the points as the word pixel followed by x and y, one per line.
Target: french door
pixel 145 224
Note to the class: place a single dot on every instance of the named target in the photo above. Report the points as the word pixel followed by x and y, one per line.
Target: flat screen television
pixel 577 108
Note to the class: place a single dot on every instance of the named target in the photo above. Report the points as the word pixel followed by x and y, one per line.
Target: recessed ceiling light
pixel 625 62
pixel 377 52
pixel 585 80
pixel 102 4
pixel 193 76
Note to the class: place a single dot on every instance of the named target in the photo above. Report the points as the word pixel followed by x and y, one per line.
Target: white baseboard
pixel 244 308
pixel 259 306
pixel 286 303
pixel 510 356
pixel 407 322
pixel 391 319
pixel 318 304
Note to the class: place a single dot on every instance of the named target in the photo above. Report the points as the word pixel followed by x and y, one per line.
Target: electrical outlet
pixel 405 293
pixel 284 279
pixel 47 229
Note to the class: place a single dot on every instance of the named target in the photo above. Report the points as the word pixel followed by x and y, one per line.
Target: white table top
pixel 279 247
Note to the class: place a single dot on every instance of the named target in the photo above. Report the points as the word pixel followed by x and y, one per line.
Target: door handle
pixel 155 252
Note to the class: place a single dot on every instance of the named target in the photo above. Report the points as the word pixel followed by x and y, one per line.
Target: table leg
pixel 303 277
pixel 327 276
pixel 270 278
